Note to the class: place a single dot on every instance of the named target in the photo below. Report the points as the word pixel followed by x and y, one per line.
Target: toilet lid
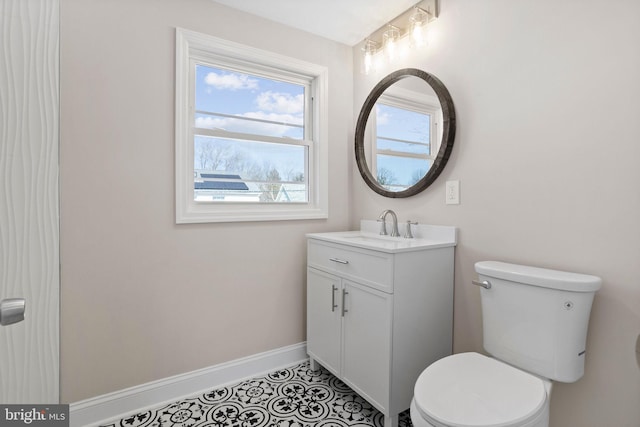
pixel 472 390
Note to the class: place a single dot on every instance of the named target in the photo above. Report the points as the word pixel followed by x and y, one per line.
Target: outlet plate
pixel 452 193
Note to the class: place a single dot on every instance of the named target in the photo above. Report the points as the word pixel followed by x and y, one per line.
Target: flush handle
pixel 12 311
pixel 485 283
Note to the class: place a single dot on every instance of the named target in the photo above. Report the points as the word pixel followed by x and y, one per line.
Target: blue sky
pixel 252 97
pixel 227 92
pixel 277 109
pixel 403 124
pixel 406 125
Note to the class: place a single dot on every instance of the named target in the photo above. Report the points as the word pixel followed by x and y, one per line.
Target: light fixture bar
pixel 411 22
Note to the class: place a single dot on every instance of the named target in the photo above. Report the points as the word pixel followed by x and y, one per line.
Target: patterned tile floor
pixel 291 397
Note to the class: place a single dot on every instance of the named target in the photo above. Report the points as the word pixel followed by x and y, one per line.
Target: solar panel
pixel 220 185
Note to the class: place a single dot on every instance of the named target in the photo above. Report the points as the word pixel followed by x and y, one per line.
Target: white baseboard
pixel 116 405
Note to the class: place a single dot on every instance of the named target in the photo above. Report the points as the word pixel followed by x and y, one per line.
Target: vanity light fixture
pixel 388 44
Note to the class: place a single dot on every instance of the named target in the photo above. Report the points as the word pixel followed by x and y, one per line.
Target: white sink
pixel 368 237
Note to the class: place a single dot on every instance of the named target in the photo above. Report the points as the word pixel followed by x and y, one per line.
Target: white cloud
pixel 230 81
pixel 210 122
pixel 382 117
pixel 280 102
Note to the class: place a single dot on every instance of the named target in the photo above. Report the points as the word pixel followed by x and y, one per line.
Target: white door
pixel 366 342
pixel 29 256
pixel 324 309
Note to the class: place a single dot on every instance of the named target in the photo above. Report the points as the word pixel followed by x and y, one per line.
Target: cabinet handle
pixel 334 288
pixel 344 294
pixel 338 260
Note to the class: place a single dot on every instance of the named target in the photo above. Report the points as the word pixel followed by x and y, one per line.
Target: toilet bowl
pixel 473 390
pixel 534 323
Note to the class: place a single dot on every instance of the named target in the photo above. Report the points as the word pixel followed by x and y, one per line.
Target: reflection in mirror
pixel 405 133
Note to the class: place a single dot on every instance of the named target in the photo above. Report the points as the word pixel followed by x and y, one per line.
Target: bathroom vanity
pixel 380 309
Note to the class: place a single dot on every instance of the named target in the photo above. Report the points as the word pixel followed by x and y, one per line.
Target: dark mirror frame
pixel 448 132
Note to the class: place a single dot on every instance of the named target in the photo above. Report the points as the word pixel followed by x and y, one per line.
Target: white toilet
pixel 535 327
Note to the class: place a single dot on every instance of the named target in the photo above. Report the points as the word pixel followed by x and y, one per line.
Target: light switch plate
pixel 452 196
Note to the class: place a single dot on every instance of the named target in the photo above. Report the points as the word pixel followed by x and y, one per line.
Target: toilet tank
pixel 536 319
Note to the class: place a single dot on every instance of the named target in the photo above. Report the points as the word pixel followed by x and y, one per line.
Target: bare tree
pixel 212 155
pixel 205 152
pixel 385 177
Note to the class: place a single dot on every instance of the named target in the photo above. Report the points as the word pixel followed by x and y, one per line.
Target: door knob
pixel 12 311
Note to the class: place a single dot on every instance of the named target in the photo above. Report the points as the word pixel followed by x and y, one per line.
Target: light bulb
pixel 390 40
pixel 368 62
pixel 419 19
pixel 370 48
pixel 417 35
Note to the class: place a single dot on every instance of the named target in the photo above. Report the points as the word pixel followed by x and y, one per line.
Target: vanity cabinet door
pixel 367 342
pixel 324 318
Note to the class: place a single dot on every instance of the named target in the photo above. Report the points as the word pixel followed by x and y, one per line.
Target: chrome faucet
pixel 382 220
pixel 407 230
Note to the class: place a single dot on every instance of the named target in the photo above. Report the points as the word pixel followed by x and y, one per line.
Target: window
pixel 250 133
pixel 403 140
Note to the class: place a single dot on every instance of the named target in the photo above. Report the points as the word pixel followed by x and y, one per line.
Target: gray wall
pixel 143 298
pixel 547 98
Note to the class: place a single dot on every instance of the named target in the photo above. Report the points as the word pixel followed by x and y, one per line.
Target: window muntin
pixel 250 129
pixel 239 102
pixel 401 144
pixel 309 137
pixel 402 130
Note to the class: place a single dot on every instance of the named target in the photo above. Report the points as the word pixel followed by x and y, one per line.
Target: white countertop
pixel 368 237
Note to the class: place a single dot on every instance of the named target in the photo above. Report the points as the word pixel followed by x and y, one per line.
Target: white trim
pixel 116 405
pixel 190 45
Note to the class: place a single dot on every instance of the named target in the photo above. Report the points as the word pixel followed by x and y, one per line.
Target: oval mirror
pixel 405 133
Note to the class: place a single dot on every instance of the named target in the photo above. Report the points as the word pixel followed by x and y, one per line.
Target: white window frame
pixel 411 101
pixel 192 46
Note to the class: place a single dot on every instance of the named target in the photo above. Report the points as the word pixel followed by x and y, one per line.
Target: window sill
pixel 211 214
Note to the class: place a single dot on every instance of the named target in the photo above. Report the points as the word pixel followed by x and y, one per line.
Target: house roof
pixel 236 184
